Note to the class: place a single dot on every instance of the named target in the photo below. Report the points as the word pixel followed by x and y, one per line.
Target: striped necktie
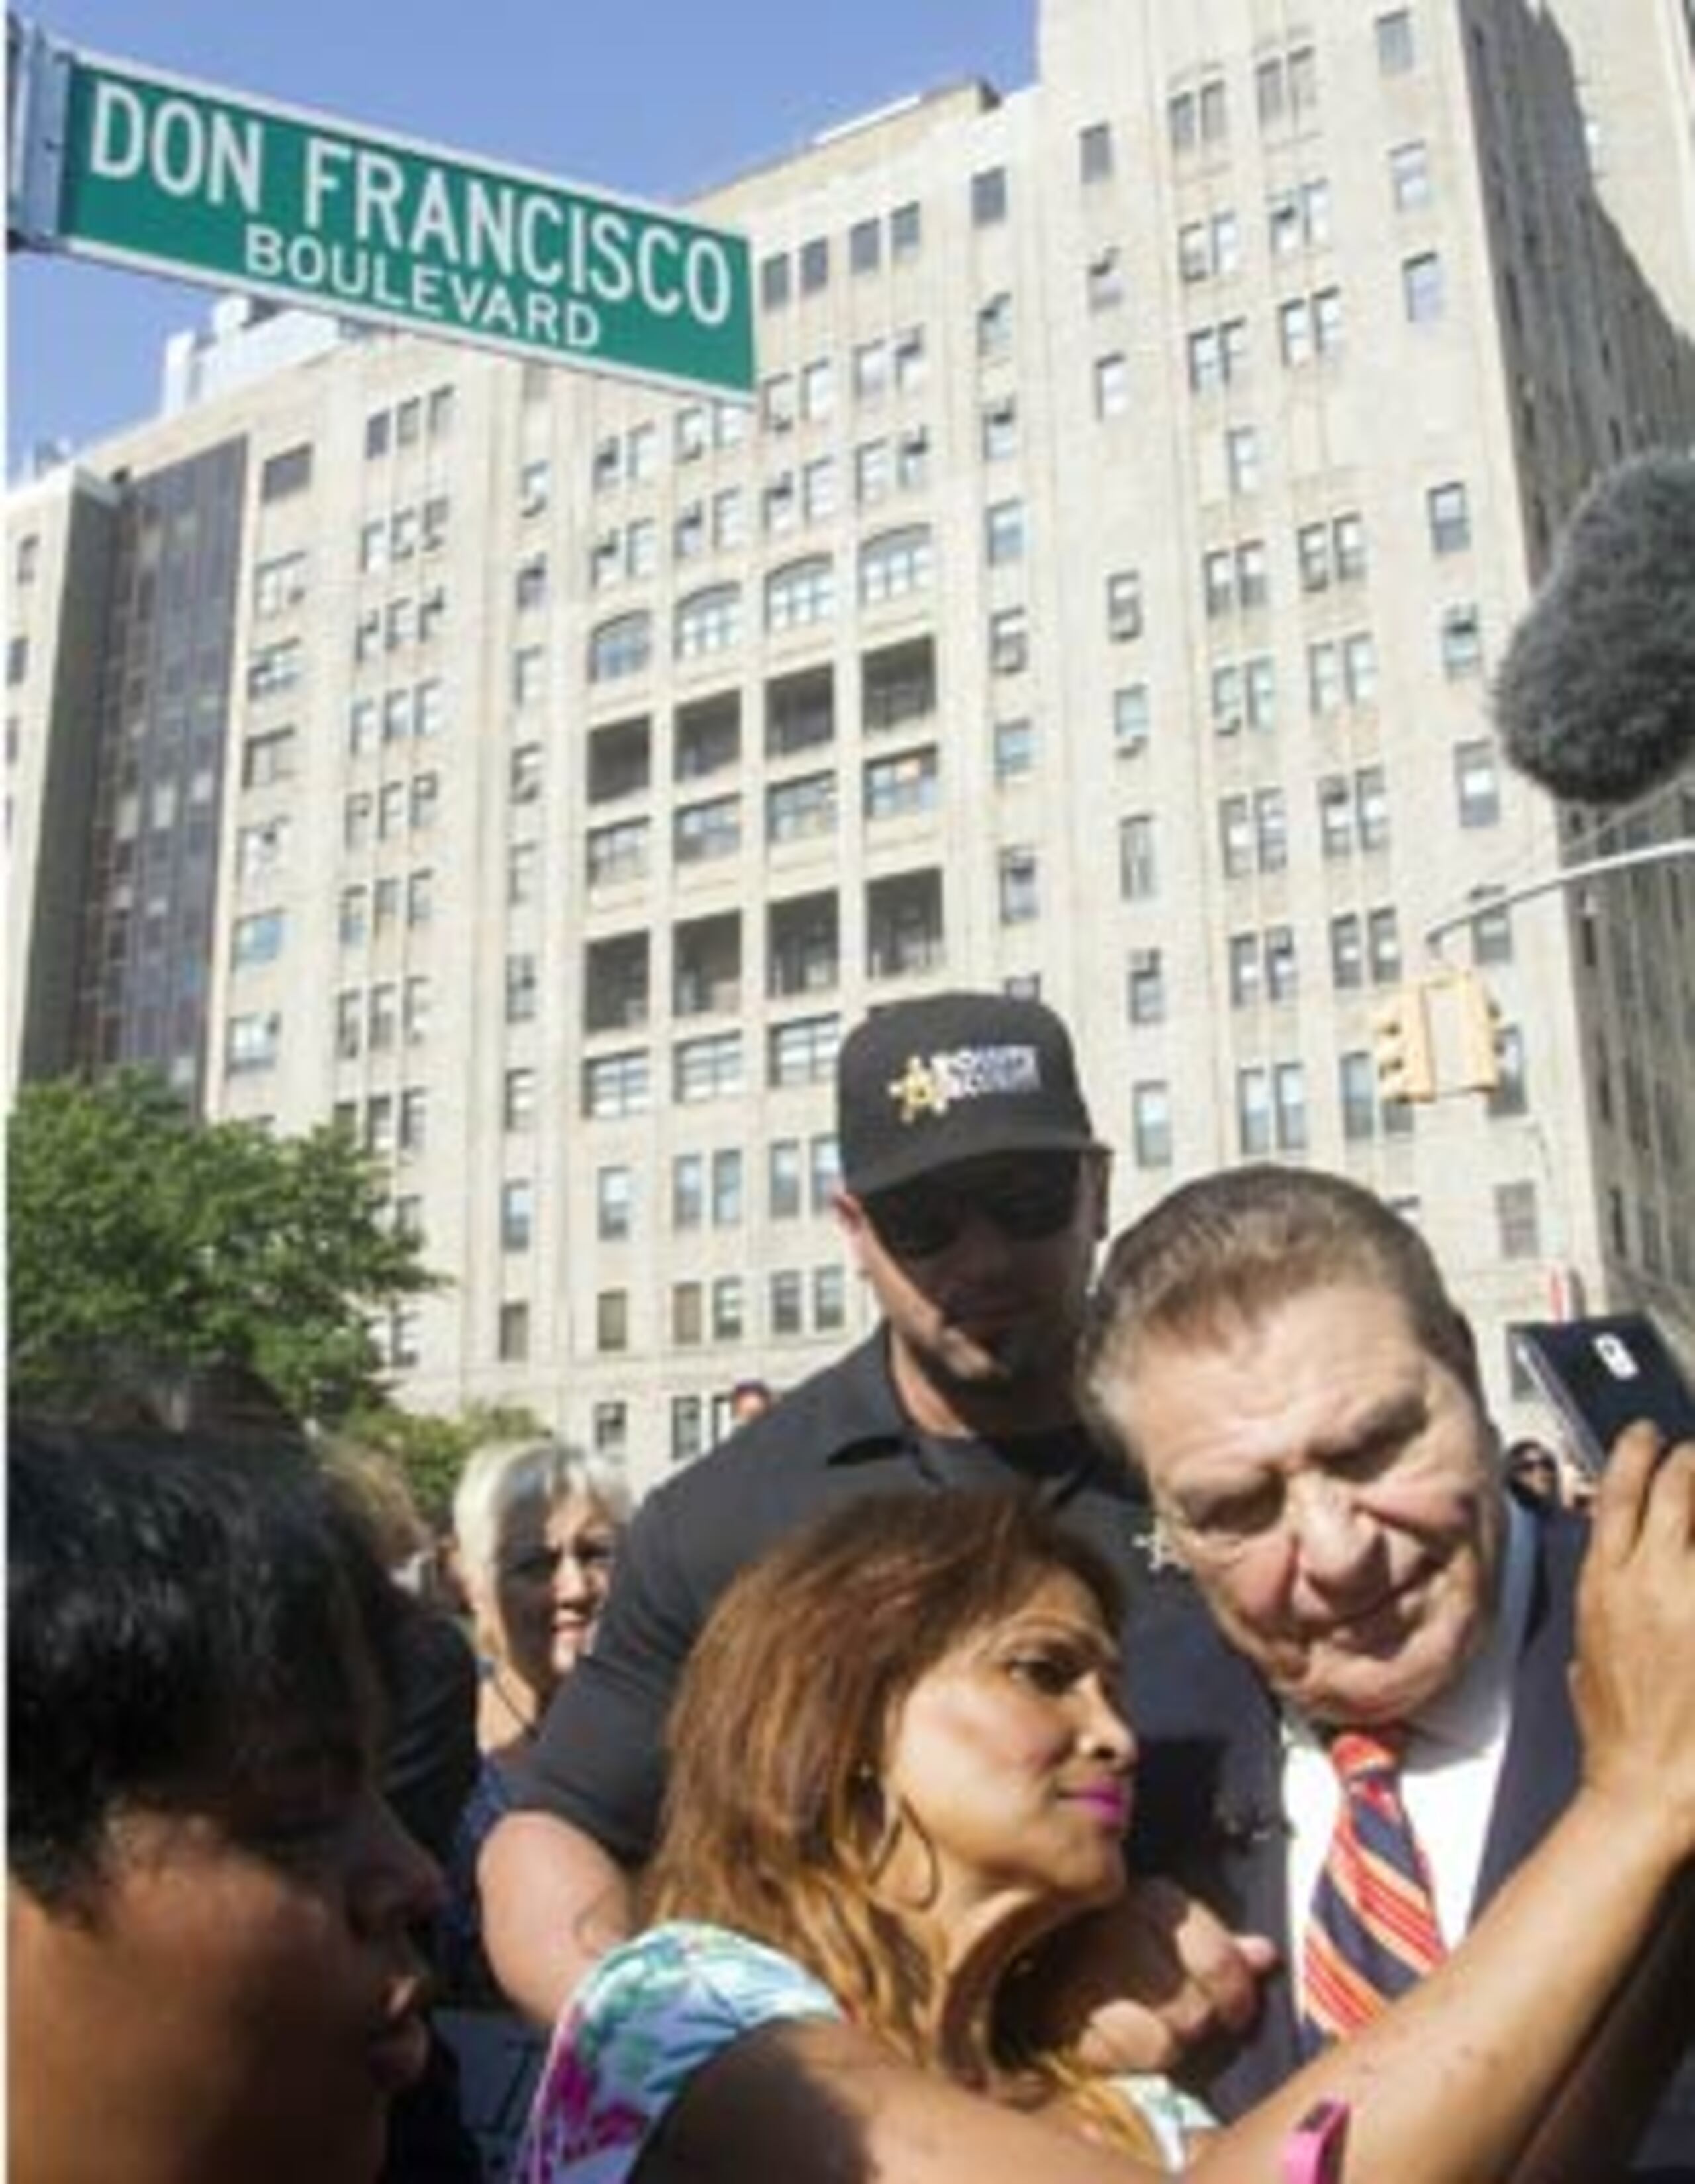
pixel 1371 1932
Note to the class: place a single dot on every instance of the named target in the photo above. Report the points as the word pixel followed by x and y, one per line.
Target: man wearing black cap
pixel 974 1195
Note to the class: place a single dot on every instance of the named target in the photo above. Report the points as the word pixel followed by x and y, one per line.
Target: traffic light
pixel 1401 1042
pixel 1480 1033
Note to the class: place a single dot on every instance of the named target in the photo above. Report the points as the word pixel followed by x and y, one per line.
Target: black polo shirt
pixel 600 1761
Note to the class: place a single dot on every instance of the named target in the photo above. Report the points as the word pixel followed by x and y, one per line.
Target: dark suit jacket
pixel 1211 1815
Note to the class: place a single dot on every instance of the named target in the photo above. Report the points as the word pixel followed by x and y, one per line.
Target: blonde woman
pixel 536 1527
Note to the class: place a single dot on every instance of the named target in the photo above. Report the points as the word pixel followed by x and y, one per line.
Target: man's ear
pixel 850 1219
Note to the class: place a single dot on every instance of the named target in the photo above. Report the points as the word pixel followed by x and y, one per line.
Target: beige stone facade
pixel 1101 594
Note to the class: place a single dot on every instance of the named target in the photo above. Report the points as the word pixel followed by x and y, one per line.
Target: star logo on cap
pixel 919 1090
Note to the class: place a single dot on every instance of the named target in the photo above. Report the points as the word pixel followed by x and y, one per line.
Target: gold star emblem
pixel 919 1091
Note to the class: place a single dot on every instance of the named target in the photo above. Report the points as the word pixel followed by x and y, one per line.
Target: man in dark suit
pixel 1275 1350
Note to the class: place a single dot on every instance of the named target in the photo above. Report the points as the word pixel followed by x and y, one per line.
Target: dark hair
pixel 170 1598
pixel 1230 1246
pixel 772 1820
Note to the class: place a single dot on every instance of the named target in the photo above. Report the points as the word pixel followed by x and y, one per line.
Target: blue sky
pixel 658 98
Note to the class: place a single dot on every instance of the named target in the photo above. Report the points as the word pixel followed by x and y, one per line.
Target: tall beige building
pixel 539 772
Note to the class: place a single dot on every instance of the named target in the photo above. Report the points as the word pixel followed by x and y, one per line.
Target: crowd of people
pixel 1115 1721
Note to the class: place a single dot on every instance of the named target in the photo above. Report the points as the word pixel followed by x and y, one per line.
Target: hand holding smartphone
pixel 1602 1375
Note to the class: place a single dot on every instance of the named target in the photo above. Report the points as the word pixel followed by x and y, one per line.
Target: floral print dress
pixel 653 2011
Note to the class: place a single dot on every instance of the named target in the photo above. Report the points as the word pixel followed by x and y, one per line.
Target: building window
pixel 1409 176
pixel 611 1320
pixel 829 1300
pixel 1357 1092
pixel 906 231
pixel 615 1085
pixel 1150 1124
pixel 258 939
pixel 524 774
pixel 800 593
pixel 1298 218
pixel 1476 785
pixel 814 264
pixel 1008 640
pixel 1112 385
pixel 1019 890
pixel 284 474
pixel 864 246
pixel 1511 1095
pixel 1138 870
pixel 795 809
pixel 803 1052
pixel 687 1319
pixel 1421 287
pixel 269 759
pixel 999 429
pixel 1104 279
pixel 824 1170
pixel 1132 718
pixel 709 620
pixel 517 1215
pixel 1241 460
pixel 783 1180
pixel 994 327
pixel 1462 641
pixel 253 1042
pixel 617 853
pixel 1014 750
pixel 1124 605
pixel 518 1100
pixel 1095 152
pixel 1517 1227
pixel 1145 987
pixel 988 196
pixel 1004 533
pixel 1449 515
pixel 726 1188
pixel 1243 957
pixel 1208 249
pixel 613 1204
pixel 1396 53
pixel 727 1315
pixel 903 786
pixel 703 832
pixel 785 1303
pixel 707 1068
pixel 624 646
pixel 897 562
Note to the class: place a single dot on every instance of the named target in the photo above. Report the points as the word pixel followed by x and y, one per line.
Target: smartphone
pixel 1600 1375
pixel 1314 2152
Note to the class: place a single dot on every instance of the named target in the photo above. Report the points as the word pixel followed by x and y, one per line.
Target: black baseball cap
pixel 923 1085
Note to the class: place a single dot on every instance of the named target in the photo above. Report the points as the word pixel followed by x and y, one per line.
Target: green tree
pixel 133 1230
pixel 431 1449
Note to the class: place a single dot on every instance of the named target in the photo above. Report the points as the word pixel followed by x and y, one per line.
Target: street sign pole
pixel 124 164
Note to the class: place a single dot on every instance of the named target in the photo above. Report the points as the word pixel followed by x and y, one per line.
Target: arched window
pixel 899 561
pixel 709 620
pixel 800 592
pixel 622 646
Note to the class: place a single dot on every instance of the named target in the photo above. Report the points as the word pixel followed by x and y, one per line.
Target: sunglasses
pixel 1034 1200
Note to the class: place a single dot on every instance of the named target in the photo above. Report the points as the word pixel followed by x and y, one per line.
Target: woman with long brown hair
pixel 897 1768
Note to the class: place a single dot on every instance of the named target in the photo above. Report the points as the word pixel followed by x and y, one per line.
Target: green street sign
pixel 140 169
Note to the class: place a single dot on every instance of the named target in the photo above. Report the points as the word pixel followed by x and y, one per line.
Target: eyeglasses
pixel 593 1558
pixel 1033 1198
